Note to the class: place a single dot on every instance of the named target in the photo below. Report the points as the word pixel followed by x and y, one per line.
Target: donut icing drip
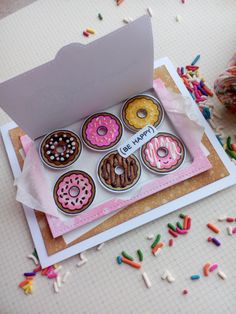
pixel 106 122
pixel 173 152
pixel 84 187
pixel 125 179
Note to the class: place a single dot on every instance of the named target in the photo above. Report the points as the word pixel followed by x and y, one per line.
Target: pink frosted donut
pixel 102 131
pixel 163 153
pixel 74 191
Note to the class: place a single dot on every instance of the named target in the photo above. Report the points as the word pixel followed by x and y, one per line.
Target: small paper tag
pixel 137 140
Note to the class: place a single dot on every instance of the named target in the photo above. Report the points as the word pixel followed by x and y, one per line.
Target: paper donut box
pixel 86 79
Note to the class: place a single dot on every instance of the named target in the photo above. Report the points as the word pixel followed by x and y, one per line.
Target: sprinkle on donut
pixel 102 131
pixel 141 110
pixel 164 153
pixel 117 173
pixel 60 149
pixel 74 191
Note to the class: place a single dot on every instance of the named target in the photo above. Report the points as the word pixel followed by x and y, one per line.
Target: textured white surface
pixel 32 36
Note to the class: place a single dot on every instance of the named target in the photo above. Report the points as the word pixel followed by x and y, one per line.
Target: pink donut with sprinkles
pixel 74 191
pixel 102 131
pixel 164 153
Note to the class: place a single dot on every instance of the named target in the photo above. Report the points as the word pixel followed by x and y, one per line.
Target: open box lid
pixel 81 80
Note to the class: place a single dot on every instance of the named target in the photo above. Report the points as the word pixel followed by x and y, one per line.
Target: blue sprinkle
pixel 195 277
pixel 202 90
pixel 206 113
pixel 195 60
pixel 119 260
pixel 29 274
pixel 219 139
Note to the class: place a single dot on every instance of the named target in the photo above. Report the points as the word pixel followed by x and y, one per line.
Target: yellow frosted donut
pixel 140 111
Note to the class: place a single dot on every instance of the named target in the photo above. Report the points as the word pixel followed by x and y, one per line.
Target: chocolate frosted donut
pixel 117 173
pixel 60 149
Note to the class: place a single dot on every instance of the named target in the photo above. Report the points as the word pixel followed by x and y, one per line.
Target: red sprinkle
pixel 171 242
pixel 86 34
pixel 230 219
pixel 37 269
pixel 185 291
pixel 192 67
pixel 189 221
pixel 174 234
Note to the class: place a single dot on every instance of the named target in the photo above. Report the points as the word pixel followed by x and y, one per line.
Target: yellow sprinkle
pixel 225 146
pixel 90 31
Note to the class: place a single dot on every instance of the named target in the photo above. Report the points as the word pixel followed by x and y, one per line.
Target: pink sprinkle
pixel 213 267
pixel 234 230
pixel 52 275
pixel 181 231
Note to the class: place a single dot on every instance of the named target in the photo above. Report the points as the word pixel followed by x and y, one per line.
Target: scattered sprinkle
pixel 29 274
pixel 179 225
pixel 165 274
pixel 170 278
pixel 215 241
pixel 86 34
pixel 222 218
pixel 230 219
pixel 213 267
pixel 149 11
pixel 180 231
pixel 178 18
pixel 174 234
pixel 81 263
pixel 140 255
pixel 182 215
pixel 157 248
pixel 90 30
pixel 146 280
pixel 127 20
pixel 230 230
pixel 59 281
pixel 172 227
pixel 55 286
pixel 118 2
pixel 213 228
pixel 131 263
pixel 158 238
pixel 195 277
pixel 206 269
pixel 185 291
pixel 100 246
pixel 221 275
pixel 150 236
pixel 65 276
pixel 100 16
pixel 34 259
pixel 171 242
pixel 126 255
pixel 119 260
pixel 195 60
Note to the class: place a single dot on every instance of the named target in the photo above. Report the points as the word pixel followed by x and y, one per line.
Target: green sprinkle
pixel 158 238
pixel 100 16
pixel 35 254
pixel 182 215
pixel 229 143
pixel 169 225
pixel 126 255
pixel 140 255
pixel 178 224
pixel 231 153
